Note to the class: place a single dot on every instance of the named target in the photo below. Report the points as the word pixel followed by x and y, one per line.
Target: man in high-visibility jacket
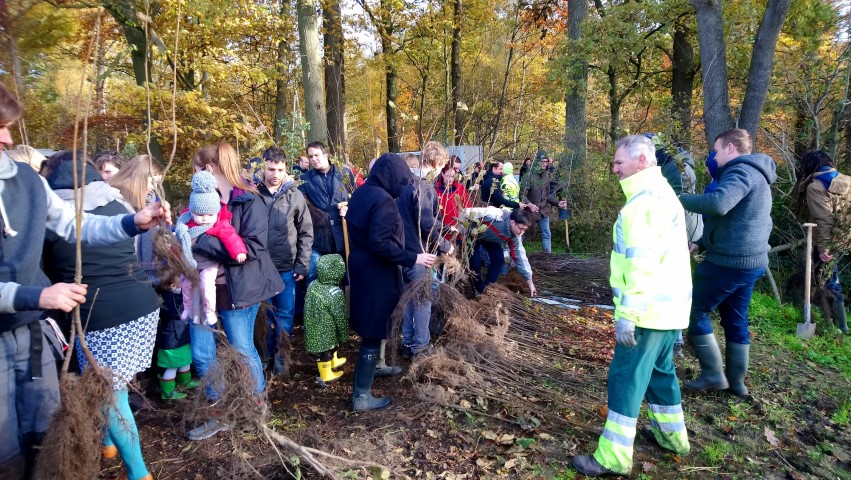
pixel 651 283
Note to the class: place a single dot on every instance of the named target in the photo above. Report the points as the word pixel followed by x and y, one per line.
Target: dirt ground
pixel 526 428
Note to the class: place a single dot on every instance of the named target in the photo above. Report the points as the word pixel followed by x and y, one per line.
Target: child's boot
pixel 337 361
pixel 109 452
pixel 185 381
pixel 326 373
pixel 210 318
pixel 169 393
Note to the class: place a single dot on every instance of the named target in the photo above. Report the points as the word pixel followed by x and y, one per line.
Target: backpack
pixel 839 194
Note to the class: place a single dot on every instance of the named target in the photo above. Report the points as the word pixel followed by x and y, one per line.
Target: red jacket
pixel 225 232
pixel 451 200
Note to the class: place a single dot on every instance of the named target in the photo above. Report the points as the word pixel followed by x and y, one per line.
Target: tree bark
pixel 762 64
pixel 386 30
pixel 575 124
pixel 682 85
pixel 335 87
pixel 280 94
pixel 614 105
pixel 311 69
pixel 713 67
pixel 456 70
pixel 390 106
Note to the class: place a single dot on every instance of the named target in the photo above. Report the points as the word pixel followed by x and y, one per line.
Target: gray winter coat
pixel 738 213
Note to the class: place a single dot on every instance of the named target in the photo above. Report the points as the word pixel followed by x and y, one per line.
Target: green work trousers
pixel 645 370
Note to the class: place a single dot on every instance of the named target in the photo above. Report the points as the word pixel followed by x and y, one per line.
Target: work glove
pixel 625 333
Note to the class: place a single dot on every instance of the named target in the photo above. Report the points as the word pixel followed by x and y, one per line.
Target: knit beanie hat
pixel 507 168
pixel 542 154
pixel 204 199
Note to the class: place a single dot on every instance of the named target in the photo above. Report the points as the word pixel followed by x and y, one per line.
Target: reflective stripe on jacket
pixel 650 269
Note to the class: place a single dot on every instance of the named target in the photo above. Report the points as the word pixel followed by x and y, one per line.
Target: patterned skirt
pixel 125 349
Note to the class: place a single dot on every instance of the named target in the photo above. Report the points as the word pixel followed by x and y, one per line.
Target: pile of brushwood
pixel 522 364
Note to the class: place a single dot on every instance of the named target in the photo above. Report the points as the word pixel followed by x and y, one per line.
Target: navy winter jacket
pixel 325 191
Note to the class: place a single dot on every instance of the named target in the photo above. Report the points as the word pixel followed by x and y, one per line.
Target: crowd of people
pixel 294 237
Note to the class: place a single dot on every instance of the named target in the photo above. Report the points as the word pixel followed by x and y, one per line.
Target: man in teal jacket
pixel 651 284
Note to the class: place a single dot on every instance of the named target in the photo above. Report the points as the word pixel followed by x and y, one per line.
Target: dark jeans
pixel 729 291
pixel 495 255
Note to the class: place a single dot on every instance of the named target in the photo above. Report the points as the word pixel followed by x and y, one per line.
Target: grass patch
pixel 716 452
pixel 776 324
pixel 842 416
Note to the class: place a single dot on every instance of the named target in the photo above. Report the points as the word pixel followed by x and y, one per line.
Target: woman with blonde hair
pixel 136 181
pixel 240 287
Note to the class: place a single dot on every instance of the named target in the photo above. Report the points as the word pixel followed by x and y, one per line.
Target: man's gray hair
pixel 636 145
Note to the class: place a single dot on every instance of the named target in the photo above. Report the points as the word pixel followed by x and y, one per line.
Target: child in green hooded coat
pixel 326 321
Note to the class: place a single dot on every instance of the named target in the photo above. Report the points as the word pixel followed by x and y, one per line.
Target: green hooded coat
pixel 326 321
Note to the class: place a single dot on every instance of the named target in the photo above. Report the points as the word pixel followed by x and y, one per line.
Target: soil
pixel 788 428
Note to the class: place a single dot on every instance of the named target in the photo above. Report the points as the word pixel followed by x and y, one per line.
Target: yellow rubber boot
pixel 326 373
pixel 337 361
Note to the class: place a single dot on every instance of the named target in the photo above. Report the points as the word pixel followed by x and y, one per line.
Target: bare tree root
pixel 530 360
pixel 169 258
pixel 72 446
pixel 236 404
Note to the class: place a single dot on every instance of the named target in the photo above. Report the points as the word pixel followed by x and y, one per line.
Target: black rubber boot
pixel 711 371
pixel 587 465
pixel 362 398
pixel 738 356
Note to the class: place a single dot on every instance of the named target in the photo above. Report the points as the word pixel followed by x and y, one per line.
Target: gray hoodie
pixel 26 201
pixel 738 213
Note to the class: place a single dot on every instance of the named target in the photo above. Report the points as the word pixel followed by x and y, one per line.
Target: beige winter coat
pixel 821 209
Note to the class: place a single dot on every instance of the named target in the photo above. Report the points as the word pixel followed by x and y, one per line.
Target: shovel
pixel 807 329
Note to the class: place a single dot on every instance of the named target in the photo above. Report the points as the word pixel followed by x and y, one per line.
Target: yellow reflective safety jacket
pixel 650 269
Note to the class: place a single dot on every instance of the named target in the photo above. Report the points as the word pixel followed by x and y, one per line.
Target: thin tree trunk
pixel 519 113
pixel 841 112
pixel 456 70
pixel 713 66
pixel 311 69
pixel 802 141
pixel 390 106
pixel 280 93
pixel 682 85
pixel 100 82
pixel 847 153
pixel 575 121
pixel 614 105
pixel 335 87
pixel 421 139
pixel 762 64
pixel 500 106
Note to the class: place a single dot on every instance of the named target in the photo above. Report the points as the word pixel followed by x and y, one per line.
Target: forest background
pixel 368 76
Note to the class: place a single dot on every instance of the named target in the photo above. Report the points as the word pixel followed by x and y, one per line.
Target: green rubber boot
pixel 185 381
pixel 169 393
